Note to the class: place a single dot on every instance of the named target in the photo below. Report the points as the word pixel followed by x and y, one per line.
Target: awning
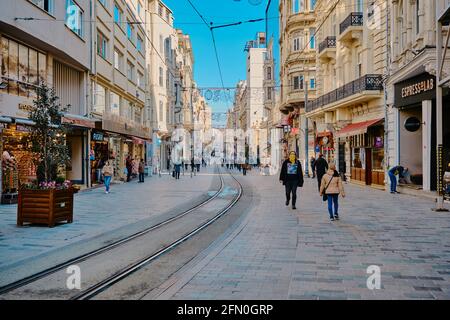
pixel 357 128
pixel 78 121
pixel 5 119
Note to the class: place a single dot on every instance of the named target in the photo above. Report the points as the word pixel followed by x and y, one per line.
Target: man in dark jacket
pixel 291 176
pixel 313 166
pixel 321 168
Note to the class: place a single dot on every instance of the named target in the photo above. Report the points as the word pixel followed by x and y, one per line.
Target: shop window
pixel 377 159
pixel 22 68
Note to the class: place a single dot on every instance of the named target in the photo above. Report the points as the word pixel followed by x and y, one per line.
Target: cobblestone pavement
pixel 97 214
pixel 279 253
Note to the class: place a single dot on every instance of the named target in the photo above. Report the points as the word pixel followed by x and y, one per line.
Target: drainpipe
pixel 388 71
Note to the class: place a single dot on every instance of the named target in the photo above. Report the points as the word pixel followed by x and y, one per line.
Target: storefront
pixel 415 109
pixel 98 155
pixel 363 143
pixel 17 165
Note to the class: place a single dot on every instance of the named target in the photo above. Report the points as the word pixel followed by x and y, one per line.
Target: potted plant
pixel 49 199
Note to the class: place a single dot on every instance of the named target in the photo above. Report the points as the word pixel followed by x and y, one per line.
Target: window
pixel 359 65
pixel 160 10
pixel 139 9
pixel 23 64
pixel 269 93
pixel 161 44
pixel 103 2
pixel 117 14
pixel 312 83
pixel 138 115
pixel 139 43
pixel 118 59
pixel 296 46
pixel 140 79
pixel 167 16
pixel 46 5
pixel 74 17
pixel 161 77
pixel 298 6
pixel 102 45
pixel 99 98
pixel 130 71
pixel 115 103
pixel 312 4
pixel 312 38
pixel 359 5
pixel 130 31
pixel 269 73
pixel 161 111
pixel 298 82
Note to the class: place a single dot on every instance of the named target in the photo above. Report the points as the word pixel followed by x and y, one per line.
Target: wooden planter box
pixel 45 206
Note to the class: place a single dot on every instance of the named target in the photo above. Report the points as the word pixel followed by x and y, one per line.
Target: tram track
pixel 42 274
pixel 203 212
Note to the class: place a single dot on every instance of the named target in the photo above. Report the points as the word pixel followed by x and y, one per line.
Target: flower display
pixel 47 185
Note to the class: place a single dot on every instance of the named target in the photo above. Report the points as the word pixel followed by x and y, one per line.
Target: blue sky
pixel 230 41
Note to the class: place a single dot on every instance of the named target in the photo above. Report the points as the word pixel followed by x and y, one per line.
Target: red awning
pixel 357 128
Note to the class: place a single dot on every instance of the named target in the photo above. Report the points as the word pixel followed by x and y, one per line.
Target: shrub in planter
pixel 49 199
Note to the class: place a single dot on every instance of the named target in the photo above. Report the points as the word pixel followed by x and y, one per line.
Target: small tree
pixel 48 135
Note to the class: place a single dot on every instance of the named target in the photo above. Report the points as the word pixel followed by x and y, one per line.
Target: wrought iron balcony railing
pixel 329 42
pixel 354 19
pixel 369 82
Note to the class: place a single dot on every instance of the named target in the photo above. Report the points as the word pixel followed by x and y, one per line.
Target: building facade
pixel 118 86
pixel 348 112
pixel 31 55
pixel 297 70
pixel 412 88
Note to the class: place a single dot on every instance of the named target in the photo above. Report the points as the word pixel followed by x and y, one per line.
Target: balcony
pixel 301 18
pixel 327 49
pixel 300 58
pixel 362 89
pixel 351 28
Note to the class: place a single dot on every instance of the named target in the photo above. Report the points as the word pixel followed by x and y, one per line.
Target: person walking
pixel 141 170
pixel 321 166
pixel 291 176
pixel 393 172
pixel 313 166
pixel 244 169
pixel 107 172
pixel 129 166
pixel 332 187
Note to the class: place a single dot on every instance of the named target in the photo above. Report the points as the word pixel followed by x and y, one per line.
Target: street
pixel 260 249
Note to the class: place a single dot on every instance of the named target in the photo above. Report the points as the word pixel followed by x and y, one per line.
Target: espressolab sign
pixel 415 90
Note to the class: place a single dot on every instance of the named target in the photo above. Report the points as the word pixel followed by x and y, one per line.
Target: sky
pixel 230 41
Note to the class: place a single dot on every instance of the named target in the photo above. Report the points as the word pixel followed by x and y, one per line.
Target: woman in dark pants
pixel 291 176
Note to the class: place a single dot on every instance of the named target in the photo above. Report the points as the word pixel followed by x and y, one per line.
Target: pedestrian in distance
pixel 107 172
pixel 313 166
pixel 331 188
pixel 321 166
pixel 244 169
pixel 129 167
pixel 291 176
pixel 141 170
pixel 393 172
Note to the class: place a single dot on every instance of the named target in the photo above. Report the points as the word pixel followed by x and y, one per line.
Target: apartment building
pixel 30 55
pixel 412 89
pixel 297 69
pixel 185 65
pixel 118 85
pixel 163 84
pixel 348 112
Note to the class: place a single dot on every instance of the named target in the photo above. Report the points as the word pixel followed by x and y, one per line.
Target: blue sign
pixel 317 149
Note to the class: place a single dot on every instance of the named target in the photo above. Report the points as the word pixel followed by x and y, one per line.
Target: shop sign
pixel 412 124
pixel 97 136
pixel 415 90
pixel 22 128
pixel 25 107
pixel 378 142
